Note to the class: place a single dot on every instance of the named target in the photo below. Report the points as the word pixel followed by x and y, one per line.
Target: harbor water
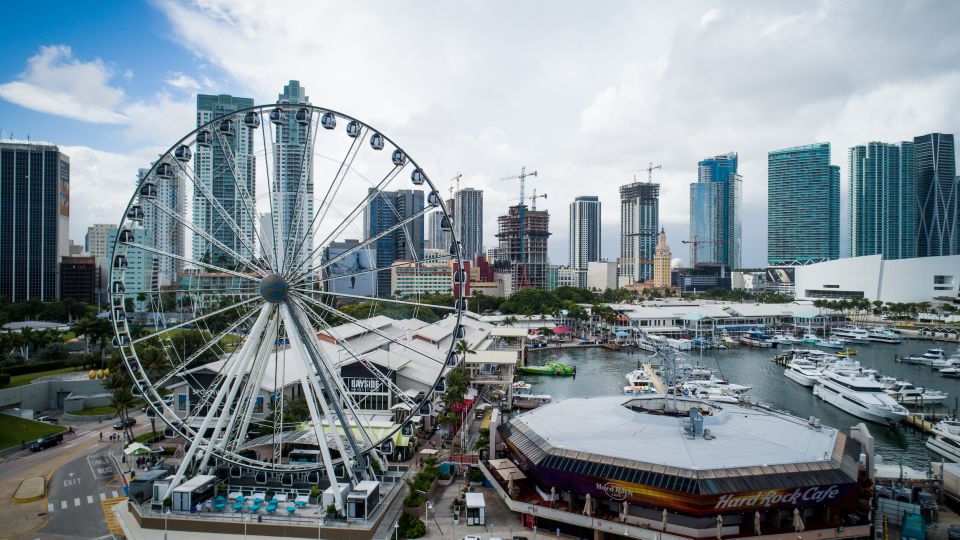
pixel 601 372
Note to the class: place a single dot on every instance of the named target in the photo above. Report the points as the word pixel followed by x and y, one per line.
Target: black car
pixel 119 423
pixel 46 442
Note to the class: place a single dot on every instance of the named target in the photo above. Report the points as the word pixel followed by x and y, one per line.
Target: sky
pixel 583 93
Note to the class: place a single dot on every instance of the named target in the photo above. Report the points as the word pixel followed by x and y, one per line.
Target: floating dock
pixel 923 423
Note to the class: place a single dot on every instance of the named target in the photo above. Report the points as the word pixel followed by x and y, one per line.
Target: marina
pixel 601 372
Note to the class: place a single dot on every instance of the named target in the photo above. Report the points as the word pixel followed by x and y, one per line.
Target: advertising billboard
pixel 780 276
pixel 352 274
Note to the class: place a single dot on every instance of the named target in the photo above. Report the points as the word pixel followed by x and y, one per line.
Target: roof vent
pixel 697 420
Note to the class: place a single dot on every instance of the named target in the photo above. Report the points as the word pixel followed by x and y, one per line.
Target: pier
pixel 922 421
pixel 657 381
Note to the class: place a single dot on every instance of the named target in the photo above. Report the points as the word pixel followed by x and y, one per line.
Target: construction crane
pixel 696 243
pixel 521 215
pixel 455 181
pixel 650 168
pixel 534 197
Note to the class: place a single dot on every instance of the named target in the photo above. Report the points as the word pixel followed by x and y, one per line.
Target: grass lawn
pixel 97 411
pixel 148 437
pixel 27 378
pixel 13 430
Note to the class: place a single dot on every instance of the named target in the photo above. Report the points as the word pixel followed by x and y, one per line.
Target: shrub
pixel 413 500
pixel 411 527
pixel 314 491
pixel 474 475
pixel 4 379
pixel 331 509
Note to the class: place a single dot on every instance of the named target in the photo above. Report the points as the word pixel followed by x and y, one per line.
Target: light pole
pixel 396 530
pixel 165 516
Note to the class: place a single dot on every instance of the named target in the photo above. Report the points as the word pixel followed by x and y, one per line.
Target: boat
pixel 729 341
pixel 550 368
pixel 907 394
pixel 950 371
pixel 757 339
pixel 944 440
pixel 883 335
pixel 810 338
pixel 925 359
pixel 701 343
pixel 846 353
pixel 639 384
pixel 709 394
pixel 785 339
pixel 953 361
pixel 846 387
pixel 531 401
pixel 803 372
pixel 639 390
pixel 832 343
pixel 853 334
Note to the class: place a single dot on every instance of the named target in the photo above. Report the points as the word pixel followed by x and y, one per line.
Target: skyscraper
pixel 222 172
pixel 584 235
pixel 715 212
pixel 34 219
pixel 99 244
pixel 436 236
pixel 938 191
pixel 639 223
pixel 163 231
pixel 385 210
pixel 661 262
pixel 883 200
pixel 468 221
pixel 293 175
pixel 526 250
pixel 803 206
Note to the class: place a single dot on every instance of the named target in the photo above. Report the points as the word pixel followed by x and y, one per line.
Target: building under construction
pixel 526 253
pixel 639 226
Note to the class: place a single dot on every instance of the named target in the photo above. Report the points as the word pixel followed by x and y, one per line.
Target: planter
pixel 445 481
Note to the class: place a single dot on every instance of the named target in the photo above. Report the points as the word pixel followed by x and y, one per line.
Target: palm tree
pixel 122 399
pixel 462 349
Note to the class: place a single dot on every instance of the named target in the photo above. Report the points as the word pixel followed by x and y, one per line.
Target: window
pixel 181 402
pixel 942 280
pixel 258 405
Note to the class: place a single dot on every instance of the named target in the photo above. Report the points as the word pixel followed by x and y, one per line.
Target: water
pixel 601 372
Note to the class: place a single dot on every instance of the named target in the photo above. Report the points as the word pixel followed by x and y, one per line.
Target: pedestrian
pixel 101 436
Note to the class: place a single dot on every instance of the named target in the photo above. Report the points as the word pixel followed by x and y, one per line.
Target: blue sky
pixel 581 93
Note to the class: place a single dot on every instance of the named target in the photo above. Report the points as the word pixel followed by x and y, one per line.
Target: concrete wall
pixel 77 402
pixel 43 395
pixel 902 280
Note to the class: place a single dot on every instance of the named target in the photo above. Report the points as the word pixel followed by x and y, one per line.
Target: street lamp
pixel 396 530
pixel 165 516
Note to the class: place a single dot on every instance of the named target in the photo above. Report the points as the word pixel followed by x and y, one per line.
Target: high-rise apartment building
pixel 468 221
pixel 639 223
pixel 385 210
pixel 99 244
pixel 524 248
pixel 223 171
pixel 293 176
pixel 883 200
pixel 938 194
pixel 584 236
pixel 437 238
pixel 34 219
pixel 165 233
pixel 715 212
pixel 803 206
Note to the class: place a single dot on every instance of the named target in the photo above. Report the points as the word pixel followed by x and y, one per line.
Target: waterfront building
pixel 584 235
pixel 803 206
pixel 292 175
pixel 716 470
pixel 222 172
pixel 716 199
pixel 920 279
pixel 639 223
pixel 409 279
pixel 883 217
pixel 468 221
pixel 601 275
pixel 525 252
pixel 661 262
pixel 34 219
pixel 384 211
pixel 79 279
pixel 701 278
pixel 165 233
pixel 938 193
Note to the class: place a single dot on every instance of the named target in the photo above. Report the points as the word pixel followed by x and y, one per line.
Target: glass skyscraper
pixel 803 206
pixel 938 191
pixel 293 174
pixel 715 212
pixel 34 218
pixel 639 226
pixel 584 235
pixel 385 210
pixel 222 172
pixel 883 200
pixel 468 221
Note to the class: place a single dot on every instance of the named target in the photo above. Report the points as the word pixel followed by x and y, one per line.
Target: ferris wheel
pixel 255 255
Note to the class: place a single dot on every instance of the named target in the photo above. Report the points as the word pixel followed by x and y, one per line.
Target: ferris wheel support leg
pixel 249 397
pixel 195 444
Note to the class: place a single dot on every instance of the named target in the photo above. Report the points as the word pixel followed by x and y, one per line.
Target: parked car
pixel 118 425
pixel 46 420
pixel 953 532
pixel 46 442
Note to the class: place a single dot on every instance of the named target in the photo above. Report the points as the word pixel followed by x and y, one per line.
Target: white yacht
pixel 847 388
pixel 639 383
pixel 953 361
pixel 883 335
pixel 852 334
pixel 786 339
pixel 907 394
pixel 524 398
pixel 709 393
pixel 804 372
pixel 925 359
pixel 944 440
pixel 832 343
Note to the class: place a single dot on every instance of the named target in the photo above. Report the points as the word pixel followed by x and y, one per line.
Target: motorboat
pixel 852 334
pixel 925 359
pixel 883 335
pixel 907 394
pixel 848 388
pixel 550 368
pixel 950 371
pixel 803 372
pixel 832 343
pixel 810 337
pixel 639 383
pixel 944 440
pixel 531 401
pixel 953 361
pixel 785 339
pixel 757 339
pixel 709 393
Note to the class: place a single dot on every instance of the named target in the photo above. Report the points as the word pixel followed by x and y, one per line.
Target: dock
pixel 922 422
pixel 657 381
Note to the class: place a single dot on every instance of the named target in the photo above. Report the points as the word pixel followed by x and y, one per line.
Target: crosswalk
pixel 65 504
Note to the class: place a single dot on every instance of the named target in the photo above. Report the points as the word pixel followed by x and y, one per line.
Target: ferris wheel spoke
pixel 267 168
pixel 306 180
pixel 345 165
pixel 192 321
pixel 189 260
pixel 400 264
pixel 349 219
pixel 246 198
pixel 239 422
pixel 337 313
pixel 215 204
pixel 178 369
pixel 209 238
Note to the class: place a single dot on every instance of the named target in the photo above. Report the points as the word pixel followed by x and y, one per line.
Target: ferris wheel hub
pixel 274 289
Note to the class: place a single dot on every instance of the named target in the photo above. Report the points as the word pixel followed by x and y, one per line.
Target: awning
pixel 429 451
pixel 403 406
pixel 137 449
pixel 562 330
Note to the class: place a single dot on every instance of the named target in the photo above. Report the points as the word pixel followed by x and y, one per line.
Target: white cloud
pixel 182 81
pixel 56 83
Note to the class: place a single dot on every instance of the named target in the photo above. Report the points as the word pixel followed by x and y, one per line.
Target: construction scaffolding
pixel 526 254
